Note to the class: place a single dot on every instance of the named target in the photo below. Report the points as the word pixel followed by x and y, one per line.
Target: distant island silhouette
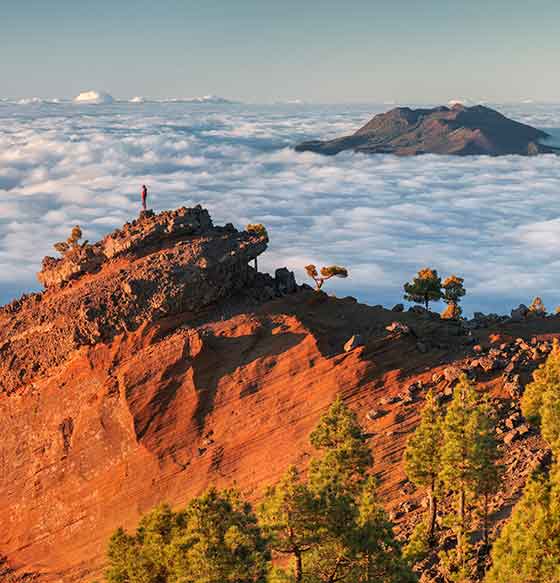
pixel 456 130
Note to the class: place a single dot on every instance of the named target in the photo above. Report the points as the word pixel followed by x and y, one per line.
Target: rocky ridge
pixel 154 267
pixel 207 372
pixel 456 130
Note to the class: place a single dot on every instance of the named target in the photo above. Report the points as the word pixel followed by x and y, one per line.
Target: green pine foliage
pixel 215 539
pixel 333 525
pixel 541 400
pixel 528 548
pixel 469 457
pixel 422 457
pixel 330 525
pixel 424 288
pixel 258 229
pixel 288 517
pixel 453 290
pixel 486 454
pixel 345 455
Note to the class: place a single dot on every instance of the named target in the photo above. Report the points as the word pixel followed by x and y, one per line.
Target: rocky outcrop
pixel 134 239
pixel 456 130
pixel 155 267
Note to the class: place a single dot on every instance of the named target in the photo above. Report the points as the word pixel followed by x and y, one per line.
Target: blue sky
pixel 261 50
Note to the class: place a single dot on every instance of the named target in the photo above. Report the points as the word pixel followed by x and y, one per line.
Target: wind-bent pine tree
pixel 422 457
pixel 453 290
pixel 72 242
pixel 326 272
pixel 260 230
pixel 424 288
pixel 288 518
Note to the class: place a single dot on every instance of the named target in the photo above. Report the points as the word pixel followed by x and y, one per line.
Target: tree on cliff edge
pixel 326 272
pixel 72 242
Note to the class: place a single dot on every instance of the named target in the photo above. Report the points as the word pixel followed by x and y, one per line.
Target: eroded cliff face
pixel 209 374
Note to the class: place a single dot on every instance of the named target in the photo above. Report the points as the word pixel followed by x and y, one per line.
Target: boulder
pixel 353 342
pixel 285 281
pixel 452 373
pixel 398 327
pixel 520 313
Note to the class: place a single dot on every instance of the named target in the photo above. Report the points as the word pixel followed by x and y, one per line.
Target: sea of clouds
pixel 494 221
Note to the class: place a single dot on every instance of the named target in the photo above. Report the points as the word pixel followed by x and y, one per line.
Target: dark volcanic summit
pixel 457 130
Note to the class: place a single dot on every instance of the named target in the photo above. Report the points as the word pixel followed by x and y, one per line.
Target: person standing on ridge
pixel 144 196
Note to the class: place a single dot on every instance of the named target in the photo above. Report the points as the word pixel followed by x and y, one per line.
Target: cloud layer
pixel 495 221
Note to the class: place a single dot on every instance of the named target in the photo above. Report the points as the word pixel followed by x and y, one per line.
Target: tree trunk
pixel 461 532
pixel 299 567
pixel 427 302
pixel 256 265
pixel 432 513
pixel 485 521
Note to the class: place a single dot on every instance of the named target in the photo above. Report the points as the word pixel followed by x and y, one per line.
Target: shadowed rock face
pixel 459 131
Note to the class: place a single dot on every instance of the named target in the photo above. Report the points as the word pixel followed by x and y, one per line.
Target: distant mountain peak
pixel 456 129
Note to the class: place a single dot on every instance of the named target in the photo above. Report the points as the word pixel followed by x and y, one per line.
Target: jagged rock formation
pixel 155 267
pixel 458 130
pixel 206 372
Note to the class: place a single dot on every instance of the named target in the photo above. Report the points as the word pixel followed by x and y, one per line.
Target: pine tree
pixel 356 538
pixel 221 541
pixel 288 518
pixel 537 307
pixel 142 558
pixel 215 539
pixel 458 464
pixel 379 555
pixel 452 312
pixel 528 548
pixel 453 291
pixel 326 272
pixel 422 457
pixel 540 403
pixel 487 474
pixel 424 288
pixel 71 242
pixel 469 457
pixel 345 454
pixel 258 229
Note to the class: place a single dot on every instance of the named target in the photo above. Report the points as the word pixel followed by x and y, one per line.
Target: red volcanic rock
pixel 162 265
pixel 166 371
pixel 458 130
